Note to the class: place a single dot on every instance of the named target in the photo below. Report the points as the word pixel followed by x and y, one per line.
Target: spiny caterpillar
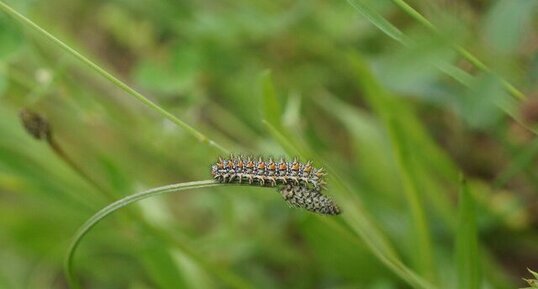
pixel 310 199
pixel 267 172
pixel 301 183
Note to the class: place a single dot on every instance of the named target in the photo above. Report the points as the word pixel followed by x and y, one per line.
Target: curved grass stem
pixel 111 208
pixel 120 84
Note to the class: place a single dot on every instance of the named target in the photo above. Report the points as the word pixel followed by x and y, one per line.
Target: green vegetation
pixel 424 114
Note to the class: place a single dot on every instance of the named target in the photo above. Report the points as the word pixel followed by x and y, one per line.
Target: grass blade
pixel 284 141
pixel 461 50
pixel 355 215
pixel 96 218
pixel 401 134
pixel 384 25
pixel 122 85
pixel 467 259
pixel 414 14
pixel 402 151
pixel 375 18
pixel 271 106
pixel 522 162
pixel 160 265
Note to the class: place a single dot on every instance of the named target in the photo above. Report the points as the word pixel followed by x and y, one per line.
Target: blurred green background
pixel 396 107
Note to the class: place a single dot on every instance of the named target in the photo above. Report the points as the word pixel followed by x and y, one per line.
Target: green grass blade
pixel 368 136
pixel 284 141
pixel 378 98
pixel 355 215
pixel 384 25
pixel 403 136
pixel 461 50
pixel 96 218
pixel 229 278
pixel 521 161
pixel 271 106
pixel 467 259
pixel 424 253
pixel 122 85
pixel 375 18
pixel 414 14
pixel 160 265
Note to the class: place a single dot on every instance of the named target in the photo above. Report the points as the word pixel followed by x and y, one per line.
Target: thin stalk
pixel 424 259
pixel 192 131
pixel 101 214
pixel 461 50
pixel 415 14
pixel 466 244
pixel 357 218
pixel 60 152
pixel 39 127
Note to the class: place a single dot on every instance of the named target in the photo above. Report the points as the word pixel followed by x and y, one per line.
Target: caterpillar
pixel 310 199
pixel 267 172
pixel 300 183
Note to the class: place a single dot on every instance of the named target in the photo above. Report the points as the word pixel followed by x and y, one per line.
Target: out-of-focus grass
pixel 466 249
pixel 394 124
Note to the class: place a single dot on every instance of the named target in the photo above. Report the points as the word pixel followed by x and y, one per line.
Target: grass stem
pixel 120 84
pixel 100 215
pixel 462 51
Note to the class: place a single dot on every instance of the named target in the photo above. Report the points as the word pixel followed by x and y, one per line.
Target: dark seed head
pixel 35 124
